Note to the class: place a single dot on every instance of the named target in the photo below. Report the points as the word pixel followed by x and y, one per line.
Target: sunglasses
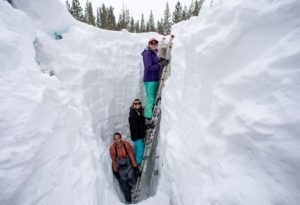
pixel 153 43
pixel 137 103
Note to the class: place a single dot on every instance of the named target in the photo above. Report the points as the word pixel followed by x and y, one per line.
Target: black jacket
pixel 137 124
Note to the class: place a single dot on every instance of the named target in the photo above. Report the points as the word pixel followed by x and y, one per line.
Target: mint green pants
pixel 151 89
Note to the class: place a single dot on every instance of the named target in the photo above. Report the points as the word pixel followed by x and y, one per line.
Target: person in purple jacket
pixel 152 66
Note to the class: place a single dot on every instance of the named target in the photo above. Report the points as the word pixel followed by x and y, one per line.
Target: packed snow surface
pixel 230 108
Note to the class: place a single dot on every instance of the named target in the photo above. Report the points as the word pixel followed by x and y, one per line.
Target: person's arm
pixel 148 63
pixel 131 155
pixel 113 158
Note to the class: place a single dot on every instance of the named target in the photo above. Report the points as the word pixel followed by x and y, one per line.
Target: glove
pixel 164 63
pixel 160 59
pixel 137 171
pixel 117 175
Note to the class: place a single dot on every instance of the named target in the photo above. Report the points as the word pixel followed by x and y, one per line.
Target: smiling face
pixel 153 45
pixel 137 104
pixel 117 139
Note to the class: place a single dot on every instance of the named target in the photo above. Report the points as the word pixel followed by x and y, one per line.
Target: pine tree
pixel 131 25
pixel 196 8
pixel 185 14
pixel 124 19
pixel 143 27
pixel 167 24
pixel 76 10
pixel 98 17
pixel 159 27
pixel 68 6
pixel 177 14
pixel 103 17
pixel 147 26
pixel 151 23
pixel 89 14
pixel 111 19
pixel 120 25
pixel 137 27
pixel 200 5
pixel 127 18
pixel 192 8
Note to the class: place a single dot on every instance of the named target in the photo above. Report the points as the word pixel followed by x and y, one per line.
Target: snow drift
pixel 230 108
pixel 56 129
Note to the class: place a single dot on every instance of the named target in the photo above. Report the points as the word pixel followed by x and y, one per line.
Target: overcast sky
pixel 137 7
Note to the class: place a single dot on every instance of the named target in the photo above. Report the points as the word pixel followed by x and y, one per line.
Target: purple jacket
pixel 151 66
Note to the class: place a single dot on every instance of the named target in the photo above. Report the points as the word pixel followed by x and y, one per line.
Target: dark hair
pixel 117 133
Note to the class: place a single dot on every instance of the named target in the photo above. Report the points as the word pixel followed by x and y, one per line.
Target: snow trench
pixel 230 108
pixel 105 81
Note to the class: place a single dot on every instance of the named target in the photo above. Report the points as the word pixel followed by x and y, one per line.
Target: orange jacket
pixel 121 153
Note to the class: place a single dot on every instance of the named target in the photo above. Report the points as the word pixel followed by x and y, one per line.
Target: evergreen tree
pixel 177 14
pixel 147 27
pixel 192 8
pixel 200 5
pixel 98 17
pixel 127 18
pixel 185 14
pixel 131 25
pixel 151 23
pixel 76 10
pixel 68 6
pixel 196 8
pixel 89 14
pixel 137 27
pixel 120 25
pixel 167 24
pixel 124 19
pixel 143 27
pixel 159 27
pixel 104 17
pixel 111 19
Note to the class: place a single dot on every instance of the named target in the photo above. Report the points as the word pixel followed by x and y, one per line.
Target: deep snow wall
pixel 47 145
pixel 231 112
pixel 55 130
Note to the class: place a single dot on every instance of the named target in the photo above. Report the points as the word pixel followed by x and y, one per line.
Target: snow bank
pixel 55 130
pixel 47 148
pixel 51 17
pixel 230 124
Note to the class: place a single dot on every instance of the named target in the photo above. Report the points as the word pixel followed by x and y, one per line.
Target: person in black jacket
pixel 137 129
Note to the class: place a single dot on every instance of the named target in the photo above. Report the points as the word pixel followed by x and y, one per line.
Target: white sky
pixel 137 7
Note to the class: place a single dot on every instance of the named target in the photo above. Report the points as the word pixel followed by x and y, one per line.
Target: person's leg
pixel 139 151
pixel 132 180
pixel 151 89
pixel 126 190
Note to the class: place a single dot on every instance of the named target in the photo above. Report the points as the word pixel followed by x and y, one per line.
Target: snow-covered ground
pixel 230 109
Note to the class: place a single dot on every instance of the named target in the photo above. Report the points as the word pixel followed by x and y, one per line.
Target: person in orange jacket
pixel 124 166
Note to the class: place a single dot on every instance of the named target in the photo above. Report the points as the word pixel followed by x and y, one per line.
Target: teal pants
pixel 151 89
pixel 139 150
